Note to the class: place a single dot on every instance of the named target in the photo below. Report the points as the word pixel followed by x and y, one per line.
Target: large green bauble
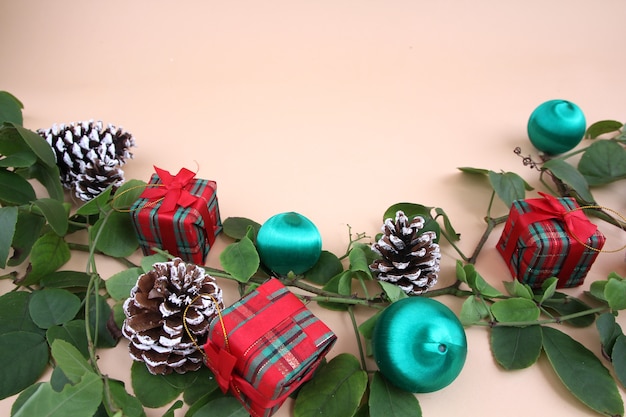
pixel 556 126
pixel 289 242
pixel 419 344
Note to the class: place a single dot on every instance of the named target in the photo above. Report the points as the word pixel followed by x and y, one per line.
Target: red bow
pixel 173 189
pixel 577 224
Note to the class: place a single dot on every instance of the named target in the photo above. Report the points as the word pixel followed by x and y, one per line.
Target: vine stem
pixel 555 320
pixel 358 338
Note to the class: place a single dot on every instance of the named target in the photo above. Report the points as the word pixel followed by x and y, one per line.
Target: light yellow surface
pixel 335 109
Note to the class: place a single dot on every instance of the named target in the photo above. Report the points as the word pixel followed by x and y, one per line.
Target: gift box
pixel 549 237
pixel 265 346
pixel 179 214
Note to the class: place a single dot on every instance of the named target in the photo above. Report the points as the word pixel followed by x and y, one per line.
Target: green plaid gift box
pixel 263 347
pixel 178 214
pixel 549 237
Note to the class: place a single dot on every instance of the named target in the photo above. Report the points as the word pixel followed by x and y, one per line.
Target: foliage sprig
pixel 60 318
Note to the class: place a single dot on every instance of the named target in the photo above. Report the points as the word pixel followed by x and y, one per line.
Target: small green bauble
pixel 289 242
pixel 556 126
pixel 419 344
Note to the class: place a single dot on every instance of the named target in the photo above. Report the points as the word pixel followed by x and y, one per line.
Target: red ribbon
pixel 576 225
pixel 174 190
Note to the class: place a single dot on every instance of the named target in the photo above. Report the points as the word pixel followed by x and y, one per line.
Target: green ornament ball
pixel 419 344
pixel 289 242
pixel 556 126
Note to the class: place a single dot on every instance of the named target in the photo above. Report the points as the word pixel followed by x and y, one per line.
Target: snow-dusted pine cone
pixel 89 155
pixel 409 258
pixel 162 298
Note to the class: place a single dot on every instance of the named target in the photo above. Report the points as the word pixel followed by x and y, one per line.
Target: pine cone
pixel 89 155
pixel 162 298
pixel 409 258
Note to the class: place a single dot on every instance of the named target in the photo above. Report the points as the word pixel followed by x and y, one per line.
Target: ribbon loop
pixel 173 190
pixel 550 208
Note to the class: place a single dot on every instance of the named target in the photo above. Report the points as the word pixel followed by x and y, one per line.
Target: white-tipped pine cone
pixel 409 257
pixel 162 298
pixel 89 155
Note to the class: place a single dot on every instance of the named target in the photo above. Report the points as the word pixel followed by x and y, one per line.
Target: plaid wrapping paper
pixel 179 214
pixel 542 239
pixel 265 346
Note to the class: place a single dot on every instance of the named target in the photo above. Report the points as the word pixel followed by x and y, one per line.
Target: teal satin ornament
pixel 556 126
pixel 289 242
pixel 419 344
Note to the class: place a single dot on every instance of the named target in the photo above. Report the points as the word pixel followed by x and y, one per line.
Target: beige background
pixel 335 109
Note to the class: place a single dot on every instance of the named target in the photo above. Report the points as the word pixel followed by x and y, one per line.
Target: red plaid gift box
pixel 549 237
pixel 265 346
pixel 178 214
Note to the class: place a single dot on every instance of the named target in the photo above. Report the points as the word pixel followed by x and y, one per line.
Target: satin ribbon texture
pixel 174 190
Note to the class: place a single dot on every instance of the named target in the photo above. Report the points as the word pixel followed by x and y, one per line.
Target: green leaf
pixel 127 194
pixel 386 400
pixel 18 159
pixel 339 284
pixel 55 214
pixel 477 283
pixel 517 289
pixel 367 327
pixel 95 205
pixel 70 360
pixel 119 285
pixel 27 231
pixel 582 373
pixel 222 407
pixel 549 289
pixel 81 399
pixel 615 293
pixel 10 109
pixel 327 266
pixel 603 162
pixel 447 224
pixel 392 291
pixel 359 261
pixel 49 253
pixel 237 227
pixel 15 315
pixel 53 306
pixel 602 127
pixel 100 315
pixel 115 235
pixel 409 209
pixel 147 262
pixel 336 390
pixel 475 171
pixel 619 359
pixel 49 177
pixel 8 224
pixel 565 305
pixel 15 189
pixel 72 332
pixel 570 176
pixel 128 404
pixel 157 390
pixel 460 272
pixel 38 144
pixel 596 290
pixel 516 347
pixel 175 406
pixel 508 186
pixel 240 259
pixel 24 357
pixel 473 310
pixel 204 384
pixel 609 331
pixel 515 310
pixel 66 279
